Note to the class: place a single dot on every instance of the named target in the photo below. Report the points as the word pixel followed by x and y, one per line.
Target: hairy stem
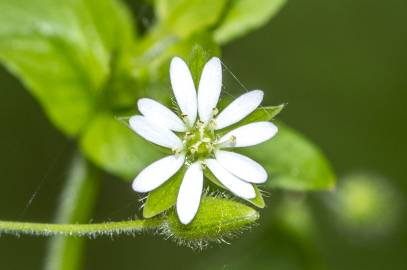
pixel 89 230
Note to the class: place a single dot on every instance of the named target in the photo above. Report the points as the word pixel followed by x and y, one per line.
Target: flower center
pixel 199 141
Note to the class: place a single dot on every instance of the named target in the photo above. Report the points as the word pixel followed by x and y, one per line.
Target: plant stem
pixel 78 230
pixel 75 206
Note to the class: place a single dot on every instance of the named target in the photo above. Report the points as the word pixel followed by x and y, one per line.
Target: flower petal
pixel 231 182
pixel 239 108
pixel 209 88
pixel 183 88
pixel 189 195
pixel 157 173
pixel 158 113
pixel 154 133
pixel 250 134
pixel 242 166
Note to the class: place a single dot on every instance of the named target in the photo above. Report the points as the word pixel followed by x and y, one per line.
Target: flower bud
pixel 217 219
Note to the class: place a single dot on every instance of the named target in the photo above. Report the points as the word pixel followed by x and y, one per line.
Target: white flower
pixel 196 143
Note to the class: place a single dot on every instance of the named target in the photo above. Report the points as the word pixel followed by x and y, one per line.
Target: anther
pixel 232 139
pixel 212 125
pixel 215 111
pixel 176 151
pixel 184 117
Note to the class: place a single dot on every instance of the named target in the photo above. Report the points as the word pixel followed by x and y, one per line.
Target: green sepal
pixel 164 197
pixel 258 201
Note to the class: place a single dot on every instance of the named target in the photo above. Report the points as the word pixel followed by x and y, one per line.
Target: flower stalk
pixel 79 230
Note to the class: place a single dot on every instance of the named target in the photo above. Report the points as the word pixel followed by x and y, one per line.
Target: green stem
pixel 89 230
pixel 75 206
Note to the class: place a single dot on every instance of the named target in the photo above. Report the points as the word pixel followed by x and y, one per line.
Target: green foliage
pixel 216 219
pixel 92 70
pixel 63 52
pixel 84 63
pixel 293 162
pixel 245 15
pixel 114 147
pixel 184 17
pixel 87 70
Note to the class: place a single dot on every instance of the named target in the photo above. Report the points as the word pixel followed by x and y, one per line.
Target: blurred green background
pixel 341 67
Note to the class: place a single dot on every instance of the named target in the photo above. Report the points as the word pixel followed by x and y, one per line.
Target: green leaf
pixel 199 56
pixel 165 7
pixel 185 17
pixel 164 197
pixel 216 218
pixel 113 146
pixel 257 201
pixel 244 16
pixel 63 52
pixel 76 204
pixel 156 65
pixel 178 21
pixel 292 162
pixel 260 114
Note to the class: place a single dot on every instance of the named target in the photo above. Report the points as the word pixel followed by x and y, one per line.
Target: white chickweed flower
pixel 193 138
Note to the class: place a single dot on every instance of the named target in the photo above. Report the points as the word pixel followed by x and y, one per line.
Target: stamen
pixel 212 125
pixel 176 151
pixel 200 124
pixel 211 147
pixel 206 140
pixel 215 112
pixel 229 143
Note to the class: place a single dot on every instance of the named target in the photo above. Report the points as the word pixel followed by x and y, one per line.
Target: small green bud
pixel 217 219
pixel 366 204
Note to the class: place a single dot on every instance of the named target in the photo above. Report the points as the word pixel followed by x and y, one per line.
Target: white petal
pixel 158 113
pixel 242 166
pixel 183 88
pixel 157 173
pixel 250 134
pixel 209 88
pixel 189 195
pixel 231 182
pixel 154 132
pixel 239 108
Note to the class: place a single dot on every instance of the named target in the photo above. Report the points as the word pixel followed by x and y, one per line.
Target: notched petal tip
pixel 209 89
pixel 184 89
